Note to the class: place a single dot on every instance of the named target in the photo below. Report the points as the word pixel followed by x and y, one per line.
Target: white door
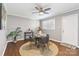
pixel 70 29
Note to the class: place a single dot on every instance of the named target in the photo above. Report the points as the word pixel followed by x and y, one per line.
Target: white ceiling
pixel 25 9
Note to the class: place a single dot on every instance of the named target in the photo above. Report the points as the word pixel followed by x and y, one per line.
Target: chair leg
pixel 47 46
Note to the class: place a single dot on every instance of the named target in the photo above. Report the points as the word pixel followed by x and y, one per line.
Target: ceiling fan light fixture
pixel 41 13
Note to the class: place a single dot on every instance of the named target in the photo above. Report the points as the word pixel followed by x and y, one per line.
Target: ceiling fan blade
pixel 47 9
pixel 37 8
pixel 46 12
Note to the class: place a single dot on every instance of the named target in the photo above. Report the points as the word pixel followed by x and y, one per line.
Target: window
pixel 49 24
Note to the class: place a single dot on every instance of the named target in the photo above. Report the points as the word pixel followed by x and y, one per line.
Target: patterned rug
pixel 29 49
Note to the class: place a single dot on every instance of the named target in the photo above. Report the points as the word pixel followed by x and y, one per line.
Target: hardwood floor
pixel 13 49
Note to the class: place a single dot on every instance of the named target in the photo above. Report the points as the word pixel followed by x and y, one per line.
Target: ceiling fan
pixel 41 10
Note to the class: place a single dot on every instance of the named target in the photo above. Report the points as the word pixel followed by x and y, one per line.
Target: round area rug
pixel 29 49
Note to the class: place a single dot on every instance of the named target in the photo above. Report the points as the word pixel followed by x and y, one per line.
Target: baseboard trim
pixel 68 45
pixel 65 44
pixel 16 40
pixel 55 40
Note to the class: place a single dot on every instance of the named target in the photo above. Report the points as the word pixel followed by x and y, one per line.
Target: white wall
pixel 14 21
pixel 58 26
pixel 3 42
